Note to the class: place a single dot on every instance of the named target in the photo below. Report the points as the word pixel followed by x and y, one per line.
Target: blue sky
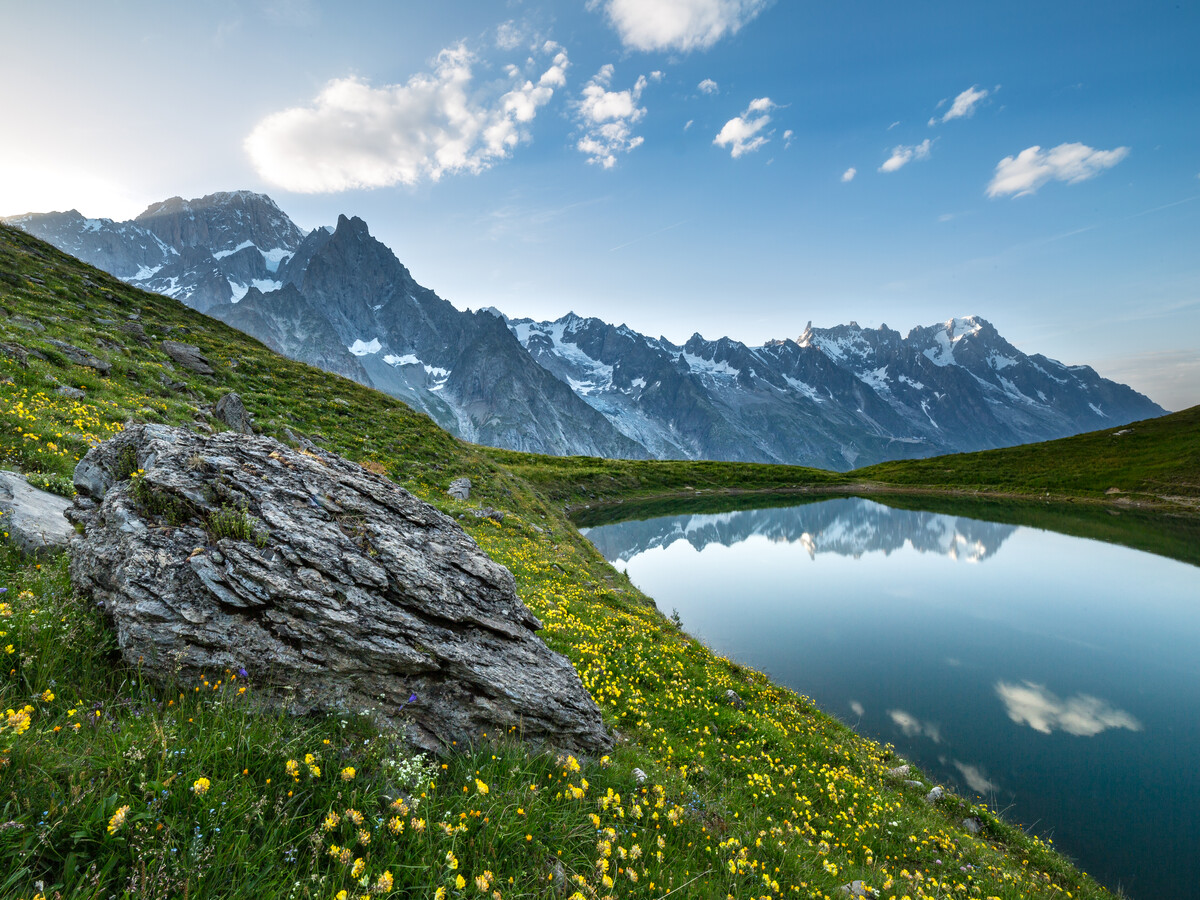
pixel 677 165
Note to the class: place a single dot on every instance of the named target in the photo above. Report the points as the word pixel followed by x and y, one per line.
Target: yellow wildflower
pixel 348 773
pixel 118 819
pixel 200 786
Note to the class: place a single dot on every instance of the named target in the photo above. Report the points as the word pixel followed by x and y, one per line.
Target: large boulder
pixel 334 588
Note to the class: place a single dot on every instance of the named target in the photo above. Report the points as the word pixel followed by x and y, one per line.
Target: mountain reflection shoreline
pixel 850 526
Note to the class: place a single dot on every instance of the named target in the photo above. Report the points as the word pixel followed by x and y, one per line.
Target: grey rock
pixel 488 513
pixel 188 356
pixel 15 352
pixel 856 889
pixel 899 771
pixel 735 699
pixel 911 782
pixel 27 323
pixel 81 357
pixel 348 593
pixel 973 824
pixel 233 412
pixel 935 795
pixel 460 488
pixel 33 518
pixel 71 393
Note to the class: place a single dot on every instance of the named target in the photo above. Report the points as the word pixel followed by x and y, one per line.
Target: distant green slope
pixel 1156 460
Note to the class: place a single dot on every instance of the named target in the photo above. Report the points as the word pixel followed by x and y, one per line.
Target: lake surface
pixel 1055 677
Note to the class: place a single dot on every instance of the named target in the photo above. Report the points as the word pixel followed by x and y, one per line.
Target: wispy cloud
pixel 1081 715
pixel 903 154
pixel 678 24
pixel 963 106
pixel 649 235
pixel 1033 167
pixel 849 174
pixel 354 135
pixel 708 86
pixel 744 134
pixel 607 117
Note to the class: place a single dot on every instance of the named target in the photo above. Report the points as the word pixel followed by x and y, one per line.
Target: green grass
pixel 1155 461
pixel 111 786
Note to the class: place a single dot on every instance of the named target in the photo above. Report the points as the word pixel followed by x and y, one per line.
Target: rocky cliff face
pixel 836 398
pixel 332 587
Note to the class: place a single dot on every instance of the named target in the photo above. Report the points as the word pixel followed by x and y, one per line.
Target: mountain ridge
pixel 835 398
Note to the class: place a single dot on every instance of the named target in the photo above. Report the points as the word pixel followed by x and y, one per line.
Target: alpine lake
pixel 1045 662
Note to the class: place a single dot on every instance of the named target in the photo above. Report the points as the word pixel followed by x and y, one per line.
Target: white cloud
pixel 963 106
pixel 708 86
pixel 354 135
pixel 742 134
pixel 608 117
pixel 787 138
pixel 678 24
pixel 849 174
pixel 902 155
pixel 1033 167
pixel 1082 715
pixel 688 124
pixel 510 35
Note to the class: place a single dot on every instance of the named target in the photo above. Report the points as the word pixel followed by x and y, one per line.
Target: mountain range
pixel 834 398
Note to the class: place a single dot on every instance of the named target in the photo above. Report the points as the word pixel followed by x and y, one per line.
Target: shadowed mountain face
pixel 836 398
pixel 846 527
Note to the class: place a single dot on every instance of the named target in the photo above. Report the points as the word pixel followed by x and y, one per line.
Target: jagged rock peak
pixel 334 588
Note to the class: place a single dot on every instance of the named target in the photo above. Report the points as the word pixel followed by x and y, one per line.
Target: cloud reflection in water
pixel 1082 715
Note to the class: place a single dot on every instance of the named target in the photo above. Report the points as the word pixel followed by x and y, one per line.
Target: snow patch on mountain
pixel 221 254
pixel 363 348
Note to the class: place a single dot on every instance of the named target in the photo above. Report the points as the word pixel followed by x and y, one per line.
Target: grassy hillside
pixel 1157 461
pixel 111 786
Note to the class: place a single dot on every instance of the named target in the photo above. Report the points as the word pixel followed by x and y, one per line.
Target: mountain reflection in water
pixel 848 527
pixel 1058 678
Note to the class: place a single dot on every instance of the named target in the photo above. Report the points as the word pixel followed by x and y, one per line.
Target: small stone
pixel 232 412
pixel 856 889
pixel 935 795
pixel 71 393
pixel 973 824
pixel 488 513
pixel 735 699
pixel 81 357
pixel 188 356
pixel 913 783
pixel 460 488
pixel 33 518
pixel 899 771
pixel 27 323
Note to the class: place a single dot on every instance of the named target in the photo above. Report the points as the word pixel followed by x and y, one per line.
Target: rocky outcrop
pixel 334 588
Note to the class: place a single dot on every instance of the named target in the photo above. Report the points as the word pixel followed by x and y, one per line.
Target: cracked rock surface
pixel 334 588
